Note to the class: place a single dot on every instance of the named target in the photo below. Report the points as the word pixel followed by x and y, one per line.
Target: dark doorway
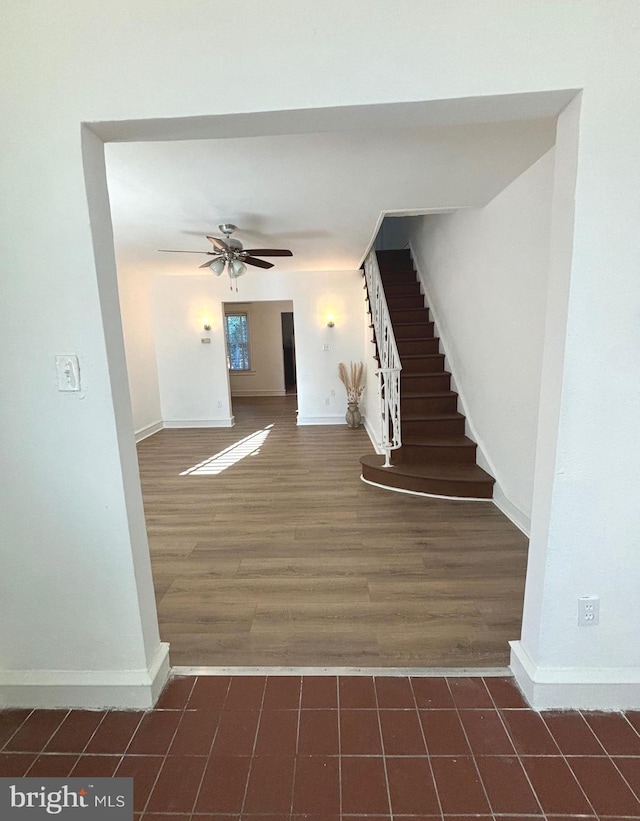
pixel 289 351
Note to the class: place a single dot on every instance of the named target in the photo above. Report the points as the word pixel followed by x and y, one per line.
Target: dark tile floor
pixel 326 748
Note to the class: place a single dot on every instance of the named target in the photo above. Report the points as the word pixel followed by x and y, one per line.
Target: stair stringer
pixel 500 494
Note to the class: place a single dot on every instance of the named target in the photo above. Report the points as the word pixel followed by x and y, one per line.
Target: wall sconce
pixel 206 324
pixel 330 321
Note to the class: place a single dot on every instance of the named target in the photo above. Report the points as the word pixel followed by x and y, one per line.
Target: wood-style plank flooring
pixel 286 558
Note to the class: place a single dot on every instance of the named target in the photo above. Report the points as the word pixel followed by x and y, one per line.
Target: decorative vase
pixel 353 416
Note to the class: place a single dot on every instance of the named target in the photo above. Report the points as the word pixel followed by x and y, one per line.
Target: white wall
pixel 485 273
pixel 266 377
pixel 139 343
pixel 69 457
pixel 193 376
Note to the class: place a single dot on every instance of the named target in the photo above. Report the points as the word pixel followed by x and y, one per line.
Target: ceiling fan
pixel 229 253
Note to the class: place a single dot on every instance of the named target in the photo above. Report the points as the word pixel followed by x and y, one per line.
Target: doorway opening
pixel 260 348
pixel 288 352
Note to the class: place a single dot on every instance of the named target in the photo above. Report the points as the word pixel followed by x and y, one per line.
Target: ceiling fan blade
pixel 219 244
pixel 270 252
pixel 174 251
pixel 259 263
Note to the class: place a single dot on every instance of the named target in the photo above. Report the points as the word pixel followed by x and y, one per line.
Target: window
pixel 236 328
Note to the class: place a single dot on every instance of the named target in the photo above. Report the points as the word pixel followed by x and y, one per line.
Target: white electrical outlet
pixel 326 401
pixel 333 393
pixel 68 370
pixel 326 347
pixel 588 611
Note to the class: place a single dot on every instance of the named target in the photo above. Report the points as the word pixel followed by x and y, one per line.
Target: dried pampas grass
pixel 353 379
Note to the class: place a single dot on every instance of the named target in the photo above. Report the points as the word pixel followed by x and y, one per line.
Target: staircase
pixel 435 457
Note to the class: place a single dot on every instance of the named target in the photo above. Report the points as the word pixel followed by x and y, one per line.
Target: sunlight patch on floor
pixel 249 446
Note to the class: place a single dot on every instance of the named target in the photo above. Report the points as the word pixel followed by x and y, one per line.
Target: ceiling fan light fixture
pixel 236 268
pixel 217 266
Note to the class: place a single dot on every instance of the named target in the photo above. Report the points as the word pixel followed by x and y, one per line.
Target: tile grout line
pixel 337 679
pixel 384 755
pixel 39 753
pixel 121 755
pixel 516 751
pixel 255 742
pixel 106 713
pixel 164 757
pixel 473 754
pixel 213 741
pixel 636 793
pixel 206 763
pixel 608 754
pixel 520 757
pixel 567 761
pixel 426 747
pixel 295 757
pixel 18 728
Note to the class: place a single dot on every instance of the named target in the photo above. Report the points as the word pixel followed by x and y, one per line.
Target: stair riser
pixel 413 346
pixel 424 364
pixel 411 315
pixel 400 303
pixel 417 330
pixel 393 254
pixel 405 289
pixel 439 487
pixel 431 427
pixel 397 277
pixel 435 454
pixel 424 384
pixel 428 406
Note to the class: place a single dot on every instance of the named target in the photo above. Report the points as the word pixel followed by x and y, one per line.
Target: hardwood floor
pixel 286 558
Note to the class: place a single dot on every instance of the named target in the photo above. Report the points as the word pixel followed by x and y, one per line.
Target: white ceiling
pixel 319 194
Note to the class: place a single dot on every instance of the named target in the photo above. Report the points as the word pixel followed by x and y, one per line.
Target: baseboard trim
pixel 336 419
pixel 241 394
pixel 575 688
pixel 511 511
pixel 86 689
pixel 372 437
pixel 148 430
pixel 227 422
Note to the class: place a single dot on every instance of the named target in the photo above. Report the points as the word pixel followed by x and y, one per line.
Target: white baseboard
pixel 511 511
pixel 227 422
pixel 335 419
pixel 240 394
pixel 148 430
pixel 372 437
pixel 575 688
pixel 86 689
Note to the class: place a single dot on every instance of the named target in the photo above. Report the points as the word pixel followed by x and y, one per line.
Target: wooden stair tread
pixel 421 355
pixel 427 394
pixel 429 374
pixel 428 417
pixel 457 472
pixel 450 440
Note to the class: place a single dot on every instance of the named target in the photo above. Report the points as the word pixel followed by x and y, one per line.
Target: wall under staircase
pixel 436 456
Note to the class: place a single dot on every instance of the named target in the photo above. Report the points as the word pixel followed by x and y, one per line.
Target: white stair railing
pixel 390 366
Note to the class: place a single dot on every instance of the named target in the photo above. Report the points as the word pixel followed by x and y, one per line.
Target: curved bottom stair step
pixel 462 481
pixel 437 449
